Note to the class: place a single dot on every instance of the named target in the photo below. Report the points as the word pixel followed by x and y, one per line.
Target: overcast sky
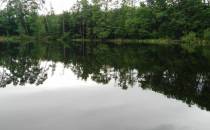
pixel 60 5
pixel 64 5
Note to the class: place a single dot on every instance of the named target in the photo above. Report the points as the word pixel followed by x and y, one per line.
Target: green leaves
pixel 206 34
pixel 109 19
pixel 24 13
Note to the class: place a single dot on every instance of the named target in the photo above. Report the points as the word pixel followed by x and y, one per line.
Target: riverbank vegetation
pixel 185 20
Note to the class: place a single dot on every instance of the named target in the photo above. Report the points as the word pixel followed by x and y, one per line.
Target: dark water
pixel 92 86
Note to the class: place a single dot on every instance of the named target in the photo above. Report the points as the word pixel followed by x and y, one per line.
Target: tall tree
pixel 26 11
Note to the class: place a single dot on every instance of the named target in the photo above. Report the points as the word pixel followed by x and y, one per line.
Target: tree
pixel 25 12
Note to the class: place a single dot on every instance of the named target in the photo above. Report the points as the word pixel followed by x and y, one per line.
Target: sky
pixel 60 5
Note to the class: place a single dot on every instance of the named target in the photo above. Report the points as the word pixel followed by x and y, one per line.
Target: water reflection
pixel 174 71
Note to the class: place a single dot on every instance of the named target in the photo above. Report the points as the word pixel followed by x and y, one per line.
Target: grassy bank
pixel 3 39
pixel 15 38
pixel 130 41
pixel 25 38
pixel 148 41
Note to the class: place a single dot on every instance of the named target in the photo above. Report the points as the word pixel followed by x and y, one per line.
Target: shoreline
pixel 25 38
pixel 122 41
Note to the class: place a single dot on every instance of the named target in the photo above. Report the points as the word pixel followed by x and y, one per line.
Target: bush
pixel 206 34
pixel 189 38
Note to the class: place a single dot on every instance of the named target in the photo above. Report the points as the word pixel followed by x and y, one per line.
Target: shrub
pixel 206 34
pixel 189 38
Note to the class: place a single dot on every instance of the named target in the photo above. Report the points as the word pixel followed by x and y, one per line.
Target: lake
pixel 92 86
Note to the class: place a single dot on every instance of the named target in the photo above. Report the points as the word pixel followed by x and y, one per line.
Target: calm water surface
pixel 90 86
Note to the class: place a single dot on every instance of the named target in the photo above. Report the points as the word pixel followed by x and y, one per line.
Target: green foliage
pixel 206 34
pixel 21 16
pixel 108 19
pixel 190 38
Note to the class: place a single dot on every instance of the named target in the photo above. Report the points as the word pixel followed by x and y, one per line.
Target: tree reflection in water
pixel 175 71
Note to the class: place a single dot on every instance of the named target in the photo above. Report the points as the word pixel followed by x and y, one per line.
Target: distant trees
pixel 109 19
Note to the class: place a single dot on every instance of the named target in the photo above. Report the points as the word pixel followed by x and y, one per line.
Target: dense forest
pixel 109 19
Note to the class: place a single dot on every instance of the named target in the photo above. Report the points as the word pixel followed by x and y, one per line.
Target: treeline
pixel 110 19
